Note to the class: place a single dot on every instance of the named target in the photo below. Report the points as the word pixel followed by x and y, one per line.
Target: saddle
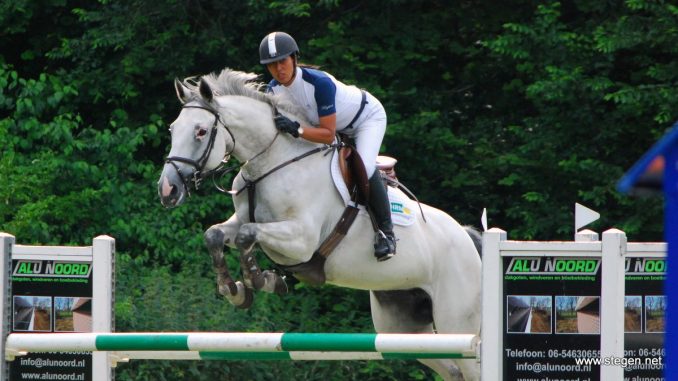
pixel 353 172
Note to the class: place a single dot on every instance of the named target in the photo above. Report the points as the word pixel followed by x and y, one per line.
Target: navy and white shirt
pixel 320 94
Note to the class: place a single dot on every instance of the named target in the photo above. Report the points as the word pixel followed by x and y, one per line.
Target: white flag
pixel 583 216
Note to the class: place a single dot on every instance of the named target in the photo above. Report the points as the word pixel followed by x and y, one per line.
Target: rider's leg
pixel 385 242
pixel 368 134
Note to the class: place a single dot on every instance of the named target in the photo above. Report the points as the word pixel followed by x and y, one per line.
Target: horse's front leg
pixel 215 238
pixel 283 239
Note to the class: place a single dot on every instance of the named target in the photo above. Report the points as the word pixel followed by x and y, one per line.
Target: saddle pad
pixel 339 183
pixel 402 207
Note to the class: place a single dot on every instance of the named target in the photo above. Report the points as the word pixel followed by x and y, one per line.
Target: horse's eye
pixel 201 132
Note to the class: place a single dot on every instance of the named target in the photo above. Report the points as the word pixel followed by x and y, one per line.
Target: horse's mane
pixel 233 82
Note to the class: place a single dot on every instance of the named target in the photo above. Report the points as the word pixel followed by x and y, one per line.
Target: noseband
pixel 199 164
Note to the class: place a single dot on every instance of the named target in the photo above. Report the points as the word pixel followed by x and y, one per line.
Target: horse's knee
pixel 246 237
pixel 214 238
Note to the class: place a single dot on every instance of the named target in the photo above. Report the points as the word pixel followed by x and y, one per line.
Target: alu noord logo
pixel 649 266
pixel 52 269
pixel 560 266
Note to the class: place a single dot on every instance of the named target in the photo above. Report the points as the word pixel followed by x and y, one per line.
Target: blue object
pixel 639 180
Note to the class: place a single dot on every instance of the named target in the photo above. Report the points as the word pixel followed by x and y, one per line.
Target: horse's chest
pixel 266 208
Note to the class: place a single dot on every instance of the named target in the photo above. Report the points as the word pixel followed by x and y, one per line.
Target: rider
pixel 332 106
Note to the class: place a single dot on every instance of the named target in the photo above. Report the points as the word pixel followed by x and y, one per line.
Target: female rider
pixel 332 106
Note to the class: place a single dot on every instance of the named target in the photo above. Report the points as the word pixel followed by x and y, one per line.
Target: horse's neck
pixel 258 143
pixel 290 187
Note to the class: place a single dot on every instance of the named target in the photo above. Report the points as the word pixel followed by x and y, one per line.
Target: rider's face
pixel 283 70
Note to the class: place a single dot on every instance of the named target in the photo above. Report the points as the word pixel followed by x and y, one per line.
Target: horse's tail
pixel 476 237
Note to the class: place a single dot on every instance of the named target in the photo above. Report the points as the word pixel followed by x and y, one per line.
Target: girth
pixel 313 271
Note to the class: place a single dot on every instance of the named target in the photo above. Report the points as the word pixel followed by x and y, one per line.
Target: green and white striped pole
pixel 249 346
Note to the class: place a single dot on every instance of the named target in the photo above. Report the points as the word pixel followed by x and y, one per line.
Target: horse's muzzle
pixel 171 189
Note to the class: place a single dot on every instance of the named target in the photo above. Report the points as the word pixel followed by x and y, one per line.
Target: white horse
pixel 431 285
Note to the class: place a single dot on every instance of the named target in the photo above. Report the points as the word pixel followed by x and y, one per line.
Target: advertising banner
pixel 552 318
pixel 644 317
pixel 51 295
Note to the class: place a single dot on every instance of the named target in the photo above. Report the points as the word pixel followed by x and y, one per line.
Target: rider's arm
pixel 324 133
pixel 325 93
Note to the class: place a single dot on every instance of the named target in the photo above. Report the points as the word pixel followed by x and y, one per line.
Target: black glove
pixel 284 124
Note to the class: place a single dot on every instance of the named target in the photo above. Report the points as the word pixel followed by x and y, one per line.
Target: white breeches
pixel 368 132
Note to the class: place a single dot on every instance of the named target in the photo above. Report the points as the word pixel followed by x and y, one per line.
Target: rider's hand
pixel 285 124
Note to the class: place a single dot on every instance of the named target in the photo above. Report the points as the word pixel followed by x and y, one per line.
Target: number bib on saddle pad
pixel 401 212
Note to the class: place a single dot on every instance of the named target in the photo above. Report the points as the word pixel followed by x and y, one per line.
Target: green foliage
pixel 588 107
pixel 521 107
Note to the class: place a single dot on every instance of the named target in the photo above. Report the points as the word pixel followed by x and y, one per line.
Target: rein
pixel 251 185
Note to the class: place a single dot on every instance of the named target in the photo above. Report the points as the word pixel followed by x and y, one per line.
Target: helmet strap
pixel 294 63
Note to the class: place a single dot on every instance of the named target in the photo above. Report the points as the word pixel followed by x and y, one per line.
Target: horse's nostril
pixel 173 191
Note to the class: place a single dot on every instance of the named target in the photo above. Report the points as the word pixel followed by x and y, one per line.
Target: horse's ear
pixel 182 90
pixel 206 91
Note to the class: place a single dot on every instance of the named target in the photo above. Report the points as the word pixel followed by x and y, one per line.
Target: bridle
pixel 200 174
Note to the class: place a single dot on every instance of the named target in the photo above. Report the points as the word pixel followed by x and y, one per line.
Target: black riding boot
pixel 385 242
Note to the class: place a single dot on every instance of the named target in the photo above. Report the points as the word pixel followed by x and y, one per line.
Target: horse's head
pixel 221 114
pixel 201 142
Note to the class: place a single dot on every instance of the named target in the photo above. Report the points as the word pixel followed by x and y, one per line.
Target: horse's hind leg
pixel 409 311
pixel 215 238
pixel 456 306
pixel 457 316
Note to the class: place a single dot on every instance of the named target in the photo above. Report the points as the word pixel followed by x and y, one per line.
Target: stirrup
pixel 384 257
pixel 390 242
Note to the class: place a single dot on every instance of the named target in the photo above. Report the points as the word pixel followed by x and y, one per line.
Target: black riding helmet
pixel 276 46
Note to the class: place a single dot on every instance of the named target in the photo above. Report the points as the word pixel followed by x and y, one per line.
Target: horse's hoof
pixel 228 288
pixel 276 283
pixel 273 283
pixel 280 286
pixel 258 280
pixel 247 302
pixel 226 284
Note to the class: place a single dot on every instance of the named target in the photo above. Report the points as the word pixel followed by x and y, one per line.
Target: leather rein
pixel 251 185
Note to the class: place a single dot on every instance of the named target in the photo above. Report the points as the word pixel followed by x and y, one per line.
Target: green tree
pixel 583 80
